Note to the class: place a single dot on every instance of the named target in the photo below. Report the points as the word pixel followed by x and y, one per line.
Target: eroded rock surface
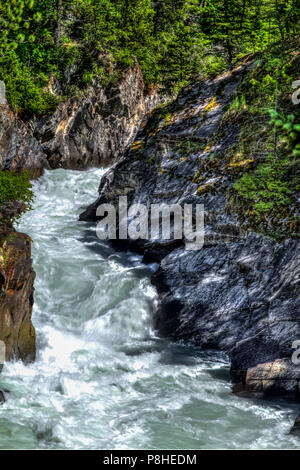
pixel 19 150
pixel 91 131
pixel 240 292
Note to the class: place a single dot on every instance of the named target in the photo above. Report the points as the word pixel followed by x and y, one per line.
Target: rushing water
pixel 101 378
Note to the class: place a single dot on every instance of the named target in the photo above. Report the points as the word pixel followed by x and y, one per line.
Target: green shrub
pixel 213 65
pixel 15 187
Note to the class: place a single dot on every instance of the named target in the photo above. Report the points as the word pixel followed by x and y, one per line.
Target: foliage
pixel 265 188
pixel 15 187
pixel 25 95
pixel 290 131
pixel 24 48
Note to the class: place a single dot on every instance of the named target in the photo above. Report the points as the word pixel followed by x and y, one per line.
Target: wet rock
pixel 19 150
pixel 279 377
pixel 2 398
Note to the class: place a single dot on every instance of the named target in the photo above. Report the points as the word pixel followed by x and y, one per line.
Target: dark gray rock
pixel 240 292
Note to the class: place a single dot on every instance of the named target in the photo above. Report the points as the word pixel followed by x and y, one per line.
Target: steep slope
pixel 19 150
pixel 92 131
pixel 16 288
pixel 95 130
pixel 240 293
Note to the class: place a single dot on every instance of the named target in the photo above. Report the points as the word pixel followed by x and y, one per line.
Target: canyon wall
pixel 16 287
pixel 19 150
pixel 93 130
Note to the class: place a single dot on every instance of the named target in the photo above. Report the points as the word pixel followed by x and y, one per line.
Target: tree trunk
pixel 59 10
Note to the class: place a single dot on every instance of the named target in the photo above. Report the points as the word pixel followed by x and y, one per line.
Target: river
pixel 102 379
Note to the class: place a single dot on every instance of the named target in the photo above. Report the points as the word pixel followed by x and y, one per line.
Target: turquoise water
pixel 102 379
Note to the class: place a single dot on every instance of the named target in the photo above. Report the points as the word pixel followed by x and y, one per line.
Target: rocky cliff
pixel 240 292
pixel 92 131
pixel 96 129
pixel 16 287
pixel 19 150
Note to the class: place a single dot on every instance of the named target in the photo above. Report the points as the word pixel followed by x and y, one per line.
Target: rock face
pixel 95 130
pixel 19 150
pixel 16 288
pixel 240 292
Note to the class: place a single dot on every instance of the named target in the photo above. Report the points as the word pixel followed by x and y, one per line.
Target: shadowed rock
pixel 295 431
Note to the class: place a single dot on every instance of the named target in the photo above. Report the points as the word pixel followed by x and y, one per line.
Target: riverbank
pixel 102 378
